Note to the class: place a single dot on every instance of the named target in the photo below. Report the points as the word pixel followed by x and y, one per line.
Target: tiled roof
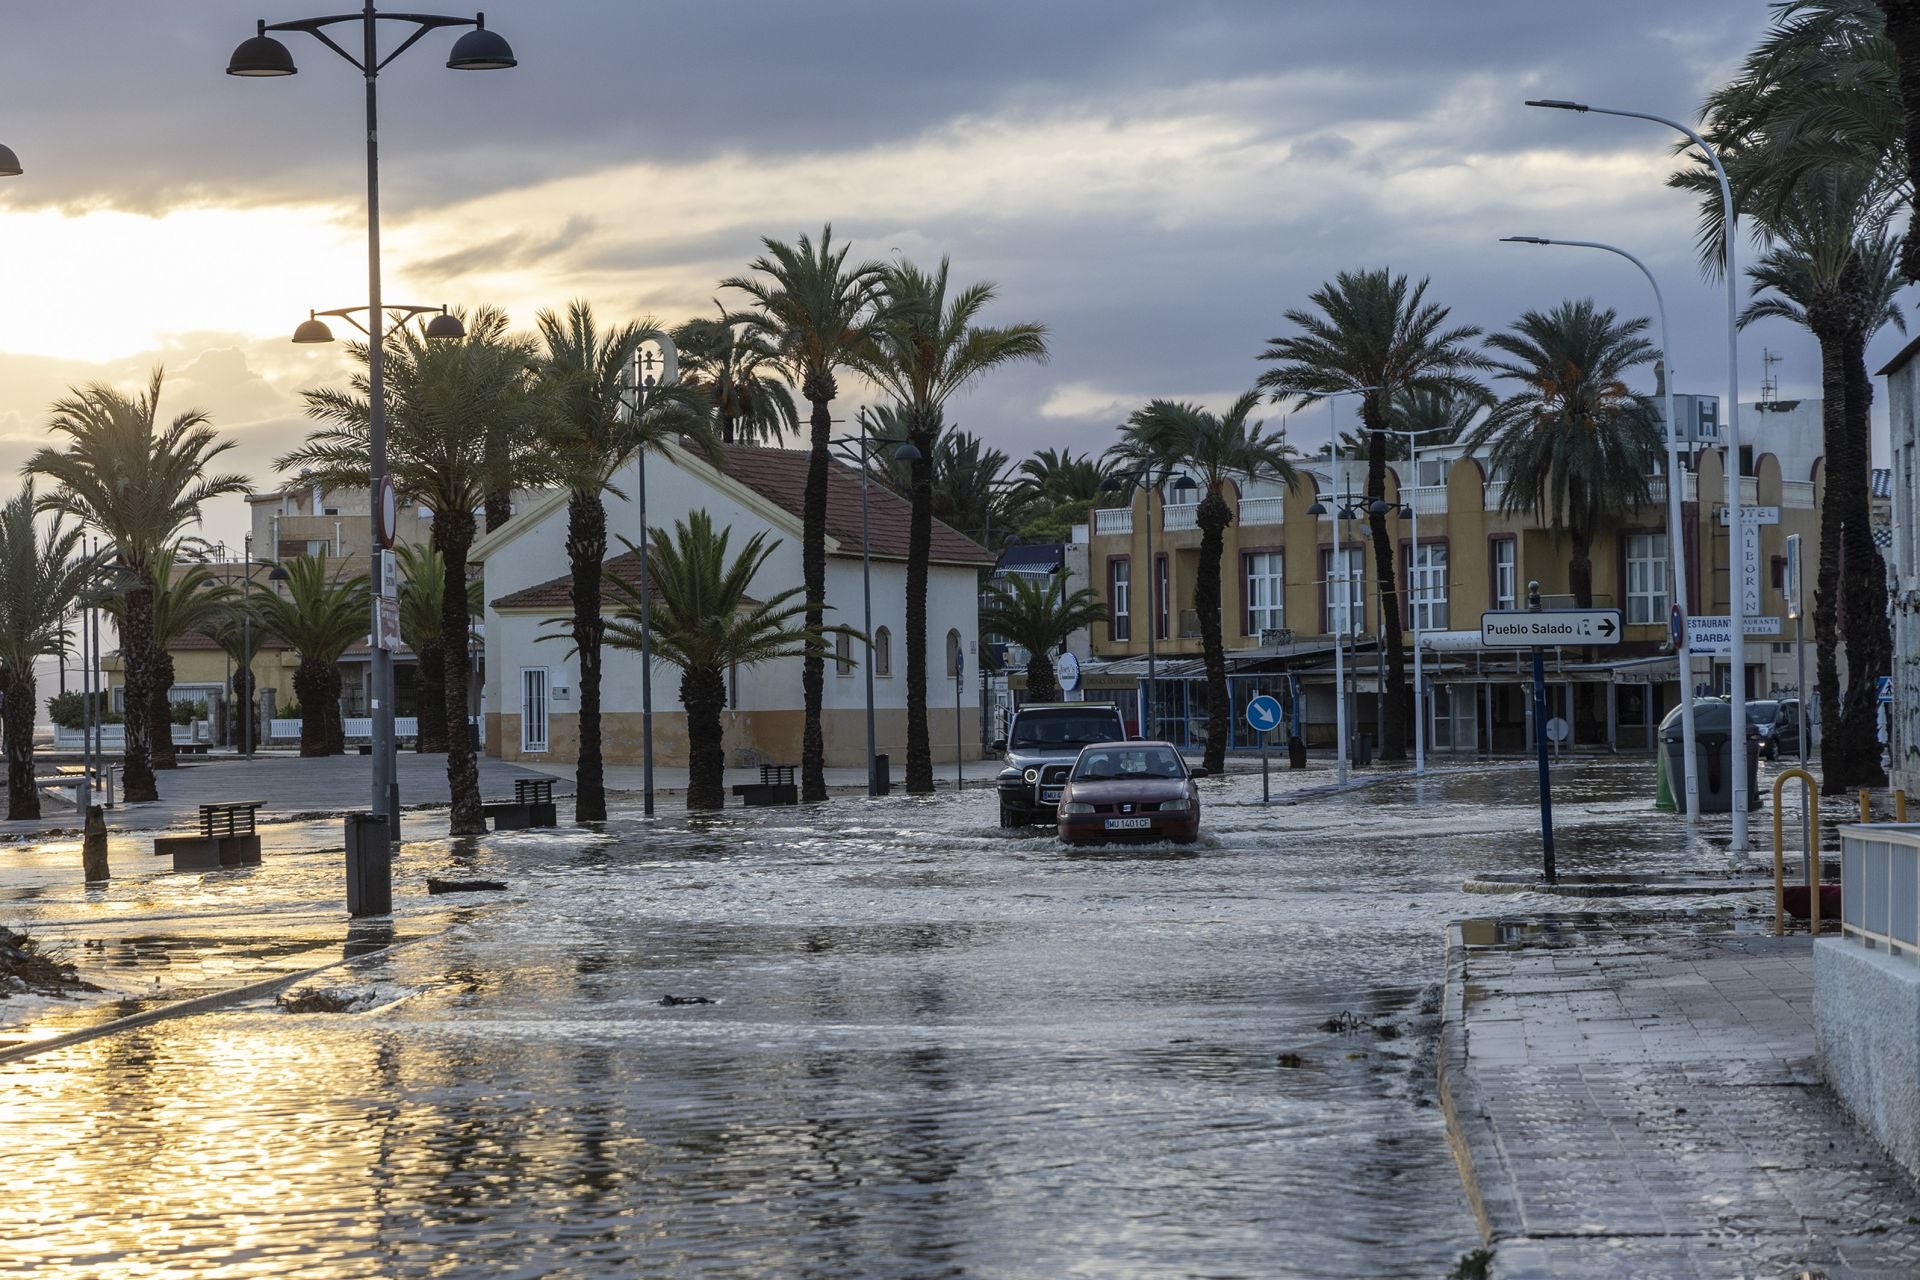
pixel 557 593
pixel 780 476
pixel 1883 482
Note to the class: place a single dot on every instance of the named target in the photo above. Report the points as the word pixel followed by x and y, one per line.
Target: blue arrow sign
pixel 1263 713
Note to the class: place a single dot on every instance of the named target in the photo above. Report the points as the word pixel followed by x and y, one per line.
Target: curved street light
pixel 445 326
pixel 9 162
pixel 263 56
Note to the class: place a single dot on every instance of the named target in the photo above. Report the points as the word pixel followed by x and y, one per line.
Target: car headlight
pixel 1175 806
pixel 1074 806
pixel 1031 775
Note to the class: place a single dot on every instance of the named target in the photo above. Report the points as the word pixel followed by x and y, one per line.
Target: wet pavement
pixel 935 1048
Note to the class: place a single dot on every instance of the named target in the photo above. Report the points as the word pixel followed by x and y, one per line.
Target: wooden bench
pixel 532 806
pixel 776 786
pixel 226 838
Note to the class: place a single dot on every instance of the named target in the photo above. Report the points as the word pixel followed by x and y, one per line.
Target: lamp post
pixel 1736 522
pixel 263 56
pixel 1676 553
pixel 860 451
pixel 645 381
pixel 1411 509
pixel 1339 560
pixel 1135 479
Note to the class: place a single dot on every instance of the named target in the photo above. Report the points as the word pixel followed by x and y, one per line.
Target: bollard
pixel 1866 805
pixel 93 846
pixel 369 865
pixel 1899 806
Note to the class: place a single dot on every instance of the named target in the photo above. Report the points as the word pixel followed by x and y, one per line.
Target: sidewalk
pixel 1639 1098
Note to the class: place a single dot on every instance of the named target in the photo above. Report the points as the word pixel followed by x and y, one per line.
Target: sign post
pixel 1263 717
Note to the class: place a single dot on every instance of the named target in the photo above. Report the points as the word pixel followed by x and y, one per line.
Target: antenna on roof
pixel 1769 385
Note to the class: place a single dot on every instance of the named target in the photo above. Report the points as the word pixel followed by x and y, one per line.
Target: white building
pixel 532 702
pixel 1903 410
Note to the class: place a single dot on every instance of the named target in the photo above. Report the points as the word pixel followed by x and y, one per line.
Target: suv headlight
pixel 1031 775
pixel 1175 806
pixel 1075 806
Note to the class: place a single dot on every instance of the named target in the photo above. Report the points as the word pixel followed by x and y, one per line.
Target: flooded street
pixel 934 1049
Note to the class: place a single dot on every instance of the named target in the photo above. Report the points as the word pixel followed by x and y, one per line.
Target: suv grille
pixel 1055 775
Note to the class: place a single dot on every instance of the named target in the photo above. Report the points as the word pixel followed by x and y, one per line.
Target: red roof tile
pixel 557 593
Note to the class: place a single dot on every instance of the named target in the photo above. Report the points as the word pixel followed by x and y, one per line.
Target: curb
pixel 198 1004
pixel 1483 1166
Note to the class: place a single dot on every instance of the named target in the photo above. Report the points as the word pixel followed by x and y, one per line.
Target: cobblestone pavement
pixel 1640 1100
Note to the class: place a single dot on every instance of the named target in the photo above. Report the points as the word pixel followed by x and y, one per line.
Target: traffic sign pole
pixel 1540 736
pixel 1263 717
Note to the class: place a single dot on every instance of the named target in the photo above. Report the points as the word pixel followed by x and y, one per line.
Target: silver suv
pixel 1041 746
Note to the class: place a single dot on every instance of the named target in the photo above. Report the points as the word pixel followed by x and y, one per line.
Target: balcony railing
pixel 1430 500
pixel 1796 495
pixel 1180 515
pixel 1262 510
pixel 1496 493
pixel 1113 520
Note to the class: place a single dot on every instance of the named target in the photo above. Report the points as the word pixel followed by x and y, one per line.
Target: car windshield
pixel 1071 729
pixel 1762 712
pixel 1112 763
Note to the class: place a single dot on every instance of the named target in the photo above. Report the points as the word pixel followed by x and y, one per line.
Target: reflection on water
pixel 935 1051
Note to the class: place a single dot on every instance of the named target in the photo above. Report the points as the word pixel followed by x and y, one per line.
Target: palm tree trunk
pixel 431 695
pixel 136 652
pixel 1042 684
pixel 1903 29
pixel 160 711
pixel 1213 517
pixel 1863 587
pixel 1580 566
pixel 499 509
pixel 1394 714
pixel 453 535
pixel 919 547
pixel 586 549
pixel 703 692
pixel 16 718
pixel 244 704
pixel 313 685
pixel 336 726
pixel 1835 756
pixel 819 391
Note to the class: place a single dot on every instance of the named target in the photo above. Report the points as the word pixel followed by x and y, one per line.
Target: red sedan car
pixel 1130 791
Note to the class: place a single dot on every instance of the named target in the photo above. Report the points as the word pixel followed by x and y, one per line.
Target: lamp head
pixel 1184 485
pixel 261 55
pixel 1317 509
pixel 1524 240
pixel 1378 507
pixel 1557 104
pixel 313 329
pixel 908 452
pixel 445 327
pixel 481 50
pixel 279 574
pixel 9 162
pixel 1113 484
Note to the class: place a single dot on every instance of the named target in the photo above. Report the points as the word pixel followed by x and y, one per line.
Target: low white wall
pixel 1866 1020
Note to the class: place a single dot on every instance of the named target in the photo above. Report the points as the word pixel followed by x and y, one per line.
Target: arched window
pixel 883 652
pixel 953 653
pixel 843 654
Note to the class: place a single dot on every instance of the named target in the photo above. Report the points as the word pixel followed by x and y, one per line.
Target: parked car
pixel 1041 745
pixel 1131 791
pixel 1778 724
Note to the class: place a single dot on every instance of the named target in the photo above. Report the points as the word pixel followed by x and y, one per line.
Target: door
pixel 533 709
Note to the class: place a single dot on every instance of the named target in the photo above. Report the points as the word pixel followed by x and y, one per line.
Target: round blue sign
pixel 1263 713
pixel 1676 623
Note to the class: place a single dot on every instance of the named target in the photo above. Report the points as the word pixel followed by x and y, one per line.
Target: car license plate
pixel 1050 794
pixel 1128 824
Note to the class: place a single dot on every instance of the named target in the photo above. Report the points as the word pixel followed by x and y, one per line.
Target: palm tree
pixel 588 433
pixel 423 578
pixel 1055 491
pixel 706 624
pixel 927 348
pixel 228 628
pixel 1832 271
pixel 735 366
pixel 818 316
pixel 140 485
pixel 319 618
pixel 185 603
pixel 42 573
pixel 1375 333
pixel 969 478
pixel 1039 616
pixel 1578 447
pixel 457 431
pixel 1220 448
pixel 1903 34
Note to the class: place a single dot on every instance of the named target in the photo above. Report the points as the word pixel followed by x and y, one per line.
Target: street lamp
pixel 260 55
pixel 645 382
pixel 1736 523
pixel 1676 554
pixel 1411 511
pixel 9 162
pixel 444 326
pixel 861 451
pixel 1127 483
pixel 1339 561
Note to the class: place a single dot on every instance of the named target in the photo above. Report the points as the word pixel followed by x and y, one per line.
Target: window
pixel 1266 591
pixel 1346 618
pixel 1646 579
pixel 1120 598
pixel 843 654
pixel 533 709
pixel 883 652
pixel 1160 601
pixel 1505 575
pixel 1433 471
pixel 1427 587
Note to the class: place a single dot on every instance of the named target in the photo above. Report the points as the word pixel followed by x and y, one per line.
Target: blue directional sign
pixel 1263 713
pixel 1883 689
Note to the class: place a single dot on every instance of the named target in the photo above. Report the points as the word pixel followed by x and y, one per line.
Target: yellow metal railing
pixel 1812 792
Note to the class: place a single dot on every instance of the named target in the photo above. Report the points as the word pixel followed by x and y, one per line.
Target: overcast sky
pixel 1157 183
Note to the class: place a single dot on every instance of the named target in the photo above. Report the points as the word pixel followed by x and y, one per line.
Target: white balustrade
pixel 1262 510
pixel 1880 885
pixel 1113 520
pixel 1496 493
pixel 1181 515
pixel 1430 500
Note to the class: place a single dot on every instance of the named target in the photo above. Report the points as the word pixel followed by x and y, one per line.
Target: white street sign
pixel 1523 628
pixel 1713 636
pixel 1751 515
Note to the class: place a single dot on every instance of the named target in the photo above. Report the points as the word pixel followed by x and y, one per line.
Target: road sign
pixel 1712 636
pixel 387 623
pixel 1558 729
pixel 1676 621
pixel 1521 628
pixel 1751 515
pixel 1066 669
pixel 1263 713
pixel 1883 689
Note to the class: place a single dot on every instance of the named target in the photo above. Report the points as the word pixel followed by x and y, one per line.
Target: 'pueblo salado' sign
pixel 1523 628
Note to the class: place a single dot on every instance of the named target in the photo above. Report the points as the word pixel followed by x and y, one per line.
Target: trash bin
pixel 369 865
pixel 1712 719
pixel 1362 752
pixel 882 779
pixel 1296 753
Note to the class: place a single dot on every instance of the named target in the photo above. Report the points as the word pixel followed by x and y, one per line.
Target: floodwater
pixel 936 1049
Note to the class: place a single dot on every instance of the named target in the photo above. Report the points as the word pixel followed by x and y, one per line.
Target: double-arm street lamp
pixel 860 451
pixel 1337 573
pixel 638 395
pixel 1676 551
pixel 261 55
pixel 1736 522
pixel 1127 482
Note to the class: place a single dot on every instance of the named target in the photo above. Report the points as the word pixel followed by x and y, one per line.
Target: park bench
pixel 226 838
pixel 532 806
pixel 776 786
